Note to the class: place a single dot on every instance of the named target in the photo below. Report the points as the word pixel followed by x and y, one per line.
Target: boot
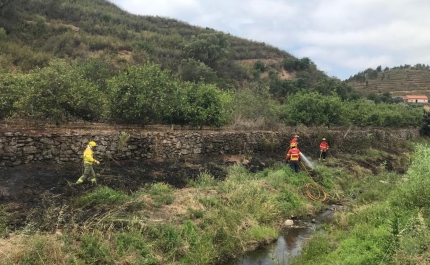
pixel 79 181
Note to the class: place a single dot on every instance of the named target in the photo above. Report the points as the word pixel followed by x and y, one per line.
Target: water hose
pixel 313 190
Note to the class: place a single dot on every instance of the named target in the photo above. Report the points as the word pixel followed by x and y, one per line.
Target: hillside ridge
pixel 397 81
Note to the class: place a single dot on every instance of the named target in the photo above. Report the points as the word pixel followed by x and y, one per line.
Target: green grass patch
pixel 102 195
pixel 204 180
pixel 161 193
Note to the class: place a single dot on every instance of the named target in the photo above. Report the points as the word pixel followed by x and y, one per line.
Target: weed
pixel 4 216
pixel 102 195
pixel 94 250
pixel 123 139
pixel 161 193
pixel 195 213
pixel 204 180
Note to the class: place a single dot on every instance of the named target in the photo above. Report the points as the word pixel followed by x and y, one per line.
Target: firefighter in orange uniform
pixel 293 156
pixel 323 149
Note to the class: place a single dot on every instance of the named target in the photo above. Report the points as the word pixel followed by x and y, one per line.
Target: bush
pixel 59 92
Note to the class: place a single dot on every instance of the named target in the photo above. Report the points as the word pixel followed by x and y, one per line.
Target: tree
pixel 289 64
pixel 3 5
pixel 195 71
pixel 59 92
pixel 304 63
pixel 208 48
pixel 142 94
pixel 313 109
pixel 11 90
pixel 259 65
pixel 205 105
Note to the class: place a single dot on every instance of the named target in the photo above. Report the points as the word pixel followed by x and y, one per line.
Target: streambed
pixel 288 245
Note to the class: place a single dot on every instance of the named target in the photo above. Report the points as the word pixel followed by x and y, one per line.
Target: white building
pixel 415 99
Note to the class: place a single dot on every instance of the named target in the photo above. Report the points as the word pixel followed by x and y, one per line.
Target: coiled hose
pixel 313 190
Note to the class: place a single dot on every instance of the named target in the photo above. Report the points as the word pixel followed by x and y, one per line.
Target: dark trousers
pixel 323 154
pixel 294 165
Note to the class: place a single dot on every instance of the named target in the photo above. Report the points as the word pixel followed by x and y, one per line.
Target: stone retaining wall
pixel 18 148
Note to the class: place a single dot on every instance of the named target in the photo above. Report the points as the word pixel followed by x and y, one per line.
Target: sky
pixel 342 37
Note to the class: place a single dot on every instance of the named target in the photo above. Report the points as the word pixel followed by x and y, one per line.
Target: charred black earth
pixel 28 189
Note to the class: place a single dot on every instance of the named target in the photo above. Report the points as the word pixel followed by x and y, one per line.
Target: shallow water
pixel 288 245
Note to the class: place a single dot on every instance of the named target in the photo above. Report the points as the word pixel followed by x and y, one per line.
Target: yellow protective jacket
pixel 88 156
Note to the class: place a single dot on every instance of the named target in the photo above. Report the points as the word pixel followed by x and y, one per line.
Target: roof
pixel 415 97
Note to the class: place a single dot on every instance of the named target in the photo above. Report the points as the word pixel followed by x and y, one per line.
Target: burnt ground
pixel 37 194
pixel 26 191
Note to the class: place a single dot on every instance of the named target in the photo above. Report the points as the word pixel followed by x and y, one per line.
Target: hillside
pixel 398 81
pixel 37 32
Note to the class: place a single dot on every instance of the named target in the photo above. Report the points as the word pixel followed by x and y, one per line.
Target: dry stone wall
pixel 17 148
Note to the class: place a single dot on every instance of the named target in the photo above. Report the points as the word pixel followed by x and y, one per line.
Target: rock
pixel 289 222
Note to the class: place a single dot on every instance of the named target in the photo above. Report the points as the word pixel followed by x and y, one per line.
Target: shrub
pixel 60 93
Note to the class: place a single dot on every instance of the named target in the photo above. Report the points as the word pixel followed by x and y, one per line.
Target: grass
pixel 211 221
pixel 161 194
pixel 387 225
pixel 102 195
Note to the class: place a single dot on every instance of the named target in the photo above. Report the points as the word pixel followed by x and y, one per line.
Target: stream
pixel 288 245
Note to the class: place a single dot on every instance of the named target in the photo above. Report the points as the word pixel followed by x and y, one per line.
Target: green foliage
pixel 195 71
pixel 2 33
pixel 60 93
pixel 204 105
pixel 208 48
pixel 260 66
pixel 283 88
pixel 255 106
pixel 289 63
pixel 425 126
pixel 127 241
pixel 161 193
pixel 97 71
pixel 314 109
pixel 94 250
pixel 388 223
pixel 11 90
pixel 415 193
pixel 102 195
pixel 204 180
pixel 330 86
pixel 142 94
pixel 4 229
pixel 168 239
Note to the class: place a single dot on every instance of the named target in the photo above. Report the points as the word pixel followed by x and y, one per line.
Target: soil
pixel 38 194
pixel 27 191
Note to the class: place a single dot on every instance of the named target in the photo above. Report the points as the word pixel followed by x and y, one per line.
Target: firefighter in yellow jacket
pixel 88 164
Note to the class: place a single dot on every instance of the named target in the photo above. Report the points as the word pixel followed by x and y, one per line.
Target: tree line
pixel 147 94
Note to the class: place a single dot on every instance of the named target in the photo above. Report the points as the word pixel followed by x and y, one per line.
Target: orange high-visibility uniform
pixel 324 146
pixel 293 154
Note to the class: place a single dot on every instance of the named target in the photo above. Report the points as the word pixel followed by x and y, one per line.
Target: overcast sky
pixel 342 37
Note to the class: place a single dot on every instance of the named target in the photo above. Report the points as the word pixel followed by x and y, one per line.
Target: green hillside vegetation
pixel 398 81
pixel 68 60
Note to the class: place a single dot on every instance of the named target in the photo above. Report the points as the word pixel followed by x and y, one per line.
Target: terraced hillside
pixel 398 82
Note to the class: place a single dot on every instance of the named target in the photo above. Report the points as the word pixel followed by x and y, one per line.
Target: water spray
pixel 306 160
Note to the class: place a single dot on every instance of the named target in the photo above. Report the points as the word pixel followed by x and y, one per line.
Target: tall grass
pixel 211 221
pixel 387 225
